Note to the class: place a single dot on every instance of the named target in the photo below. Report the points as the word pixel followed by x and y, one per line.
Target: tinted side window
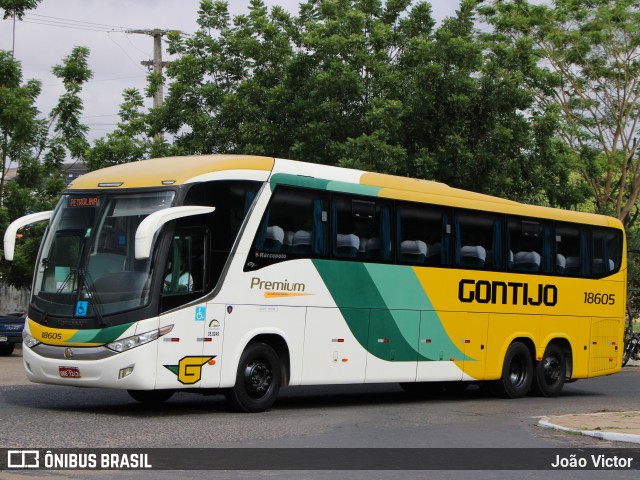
pixel 295 224
pixel 361 228
pixel 233 200
pixel 423 237
pixel 478 240
pixel 572 250
pixel 607 251
pixel 185 272
pixel 529 246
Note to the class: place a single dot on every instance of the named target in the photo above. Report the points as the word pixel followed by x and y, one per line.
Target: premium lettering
pixel 507 293
pixel 282 286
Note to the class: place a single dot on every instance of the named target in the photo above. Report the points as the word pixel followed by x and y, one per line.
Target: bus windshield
pixel 87 266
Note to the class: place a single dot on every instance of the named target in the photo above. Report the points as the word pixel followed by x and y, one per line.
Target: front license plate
pixel 69 372
pixel 3 339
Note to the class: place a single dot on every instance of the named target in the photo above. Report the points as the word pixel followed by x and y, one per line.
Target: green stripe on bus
pixel 100 335
pixel 384 306
pixel 322 184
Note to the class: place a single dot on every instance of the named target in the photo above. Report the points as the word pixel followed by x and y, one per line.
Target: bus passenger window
pixel 572 250
pixel 361 228
pixel 422 234
pixel 607 247
pixel 478 240
pixel 295 224
pixel 529 246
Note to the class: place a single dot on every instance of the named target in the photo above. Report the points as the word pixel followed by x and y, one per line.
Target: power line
pixel 72 27
pixel 70 23
pixel 125 52
pixel 76 21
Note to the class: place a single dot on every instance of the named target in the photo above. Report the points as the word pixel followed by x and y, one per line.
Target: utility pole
pixel 157 64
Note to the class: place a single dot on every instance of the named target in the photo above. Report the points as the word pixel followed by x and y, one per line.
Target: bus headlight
pixel 28 340
pixel 134 341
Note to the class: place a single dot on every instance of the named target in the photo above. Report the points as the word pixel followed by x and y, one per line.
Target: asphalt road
pixel 371 416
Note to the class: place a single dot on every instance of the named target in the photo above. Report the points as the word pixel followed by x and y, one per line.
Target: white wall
pixel 13 300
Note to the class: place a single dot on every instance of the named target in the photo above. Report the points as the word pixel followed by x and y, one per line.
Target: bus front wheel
pixel 257 380
pixel 517 372
pixel 550 372
pixel 151 397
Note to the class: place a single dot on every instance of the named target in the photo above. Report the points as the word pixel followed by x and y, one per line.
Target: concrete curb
pixel 601 434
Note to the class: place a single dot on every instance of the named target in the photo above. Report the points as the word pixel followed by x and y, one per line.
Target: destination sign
pixel 83 201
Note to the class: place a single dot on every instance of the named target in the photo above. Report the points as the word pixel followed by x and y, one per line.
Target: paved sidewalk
pixel 612 426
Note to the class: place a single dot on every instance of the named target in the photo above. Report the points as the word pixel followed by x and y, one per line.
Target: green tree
pixel 39 147
pixel 131 140
pixel 580 60
pixel 19 127
pixel 17 8
pixel 365 84
pixel 357 83
pixel 464 117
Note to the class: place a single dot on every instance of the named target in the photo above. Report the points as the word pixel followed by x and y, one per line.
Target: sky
pixel 50 32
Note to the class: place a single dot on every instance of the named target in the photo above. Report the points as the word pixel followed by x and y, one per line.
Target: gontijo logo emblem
pixel 189 369
pixel 277 289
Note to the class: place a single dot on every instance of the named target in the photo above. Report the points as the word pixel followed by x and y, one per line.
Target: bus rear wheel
pixel 257 380
pixel 550 372
pixel 517 372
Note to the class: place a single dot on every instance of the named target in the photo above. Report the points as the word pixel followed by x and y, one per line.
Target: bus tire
pixel 6 349
pixel 550 372
pixel 151 397
pixel 257 381
pixel 517 372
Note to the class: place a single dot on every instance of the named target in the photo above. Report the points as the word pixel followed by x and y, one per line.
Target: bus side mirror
pixel 12 230
pixel 150 225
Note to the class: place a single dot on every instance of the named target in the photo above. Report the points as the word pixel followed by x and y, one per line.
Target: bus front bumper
pixel 133 369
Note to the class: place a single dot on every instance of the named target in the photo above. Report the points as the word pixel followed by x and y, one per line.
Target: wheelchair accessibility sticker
pixel 81 308
pixel 201 314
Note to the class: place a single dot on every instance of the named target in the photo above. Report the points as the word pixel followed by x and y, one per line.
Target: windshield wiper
pixel 65 282
pixel 87 282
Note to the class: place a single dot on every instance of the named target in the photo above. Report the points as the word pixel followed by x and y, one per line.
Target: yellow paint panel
pixel 54 336
pixel 410 189
pixel 606 346
pixel 499 292
pixel 465 299
pixel 151 173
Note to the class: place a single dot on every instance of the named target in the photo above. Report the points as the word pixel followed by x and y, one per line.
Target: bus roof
pixel 168 171
pixel 180 170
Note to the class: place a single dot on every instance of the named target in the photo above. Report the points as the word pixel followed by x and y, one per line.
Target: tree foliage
pixel 357 83
pixel 39 146
pixel 17 7
pixel 130 141
pixel 582 61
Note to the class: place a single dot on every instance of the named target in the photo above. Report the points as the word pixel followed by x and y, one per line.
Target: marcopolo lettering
pixel 507 293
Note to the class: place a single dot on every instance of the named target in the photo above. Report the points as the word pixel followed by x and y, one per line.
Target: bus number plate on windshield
pixel 69 372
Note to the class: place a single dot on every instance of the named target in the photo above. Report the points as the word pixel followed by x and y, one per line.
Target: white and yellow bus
pixel 241 274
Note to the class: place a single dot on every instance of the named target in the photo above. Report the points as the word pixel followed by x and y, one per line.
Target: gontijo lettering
pixel 507 293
